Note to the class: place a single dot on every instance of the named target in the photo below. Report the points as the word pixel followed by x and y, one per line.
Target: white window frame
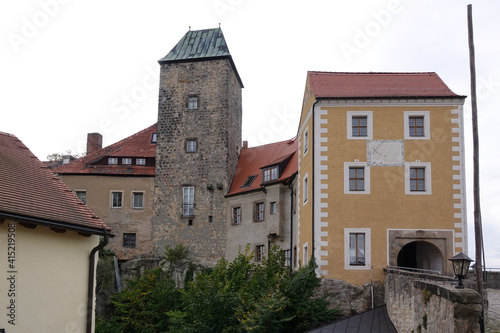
pixel 112 160
pixel 111 199
pixel 356 164
pixel 140 161
pixel 368 254
pixel 305 254
pixel 133 199
pixel 188 205
pixel 191 145
pixel 192 102
pixel 305 189
pixel 427 124
pixel 306 141
pixel 428 177
pixel 126 160
pixel 369 124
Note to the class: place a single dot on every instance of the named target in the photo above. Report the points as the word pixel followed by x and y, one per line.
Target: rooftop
pixel 138 145
pixel 253 160
pixel 376 85
pixel 31 193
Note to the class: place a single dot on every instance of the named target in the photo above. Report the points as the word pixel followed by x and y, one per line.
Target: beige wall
pixel 51 279
pixel 387 206
pixel 254 233
pixel 120 220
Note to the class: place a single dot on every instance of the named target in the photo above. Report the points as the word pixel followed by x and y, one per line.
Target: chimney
pixel 245 144
pixel 94 142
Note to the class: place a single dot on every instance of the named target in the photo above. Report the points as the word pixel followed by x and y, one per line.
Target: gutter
pixel 90 295
pixel 290 186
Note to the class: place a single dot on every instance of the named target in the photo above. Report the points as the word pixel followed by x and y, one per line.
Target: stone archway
pixel 429 244
pixel 421 255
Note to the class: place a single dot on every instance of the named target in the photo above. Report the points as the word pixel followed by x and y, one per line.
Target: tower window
pixel 193 102
pixel 188 201
pixel 191 145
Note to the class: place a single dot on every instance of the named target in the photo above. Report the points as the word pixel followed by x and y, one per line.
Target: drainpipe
pixel 290 186
pixel 313 201
pixel 90 295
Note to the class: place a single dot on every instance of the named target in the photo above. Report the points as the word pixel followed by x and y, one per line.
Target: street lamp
pixel 461 265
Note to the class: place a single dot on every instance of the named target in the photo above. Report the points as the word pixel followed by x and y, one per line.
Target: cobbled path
pixel 493 324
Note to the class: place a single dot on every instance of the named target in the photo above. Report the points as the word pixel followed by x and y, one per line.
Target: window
pixel 356 178
pixel 305 188
pixel 259 211
pixel 140 161
pixel 259 253
pixel 417 125
pixel 294 202
pixel 249 181
pixel 274 207
pixel 193 102
pixel 154 138
pixel 236 216
pixel 287 256
pixel 138 200
pixel 126 160
pixel 305 254
pixel 116 199
pixel 112 160
pixel 360 125
pixel 270 174
pixel 306 141
pixel 357 248
pixel 418 178
pixel 129 240
pixel 188 201
pixel 82 195
pixel 191 145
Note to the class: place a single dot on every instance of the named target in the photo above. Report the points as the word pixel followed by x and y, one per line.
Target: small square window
pixel 193 102
pixel 126 160
pixel 140 161
pixel 259 253
pixel 249 181
pixel 356 178
pixel 138 200
pixel 274 208
pixel 112 160
pixel 129 240
pixel 417 179
pixel 116 199
pixel 259 212
pixel 191 145
pixel 359 125
pixel 236 216
pixel 82 195
pixel 417 125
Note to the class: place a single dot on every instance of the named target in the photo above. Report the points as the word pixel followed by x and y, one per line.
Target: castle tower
pixel 198 141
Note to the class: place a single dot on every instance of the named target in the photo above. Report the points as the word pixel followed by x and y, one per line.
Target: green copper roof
pixel 208 43
pixel 201 45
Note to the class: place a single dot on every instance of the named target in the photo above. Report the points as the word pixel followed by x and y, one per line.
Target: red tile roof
pixel 252 160
pixel 137 145
pixel 31 193
pixel 373 85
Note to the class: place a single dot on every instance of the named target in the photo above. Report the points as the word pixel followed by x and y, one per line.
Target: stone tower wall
pixel 216 125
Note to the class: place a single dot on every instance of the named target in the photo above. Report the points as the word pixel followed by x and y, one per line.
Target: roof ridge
pixel 290 141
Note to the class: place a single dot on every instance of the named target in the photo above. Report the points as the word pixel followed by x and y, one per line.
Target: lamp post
pixel 461 265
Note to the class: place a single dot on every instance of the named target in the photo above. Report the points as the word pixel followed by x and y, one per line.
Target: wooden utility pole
pixel 478 229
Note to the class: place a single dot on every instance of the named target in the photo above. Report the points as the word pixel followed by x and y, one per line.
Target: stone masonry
pixel 216 126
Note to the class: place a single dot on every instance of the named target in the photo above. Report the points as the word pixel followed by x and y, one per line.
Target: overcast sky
pixel 70 67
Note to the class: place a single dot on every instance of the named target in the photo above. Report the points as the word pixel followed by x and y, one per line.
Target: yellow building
pixel 381 174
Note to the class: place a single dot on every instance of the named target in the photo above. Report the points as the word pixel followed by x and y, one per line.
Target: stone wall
pixel 216 126
pixel 418 305
pixel 350 299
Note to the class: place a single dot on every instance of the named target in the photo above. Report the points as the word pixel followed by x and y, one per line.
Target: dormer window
pixel 270 174
pixel 154 137
pixel 126 160
pixel 249 181
pixel 140 161
pixel 112 160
